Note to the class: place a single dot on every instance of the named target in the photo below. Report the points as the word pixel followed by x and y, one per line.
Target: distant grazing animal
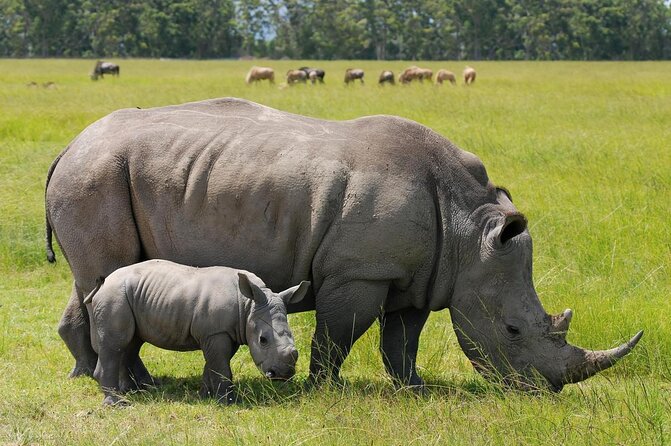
pixel 415 73
pixel 101 68
pixel 425 74
pixel 469 75
pixel 352 74
pixel 387 219
pixel 182 308
pixel 314 74
pixel 445 75
pixel 294 76
pixel 31 84
pixel 49 85
pixel 387 77
pixel 256 74
pixel 409 74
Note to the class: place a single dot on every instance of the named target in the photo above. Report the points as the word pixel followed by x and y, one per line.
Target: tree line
pixel 339 29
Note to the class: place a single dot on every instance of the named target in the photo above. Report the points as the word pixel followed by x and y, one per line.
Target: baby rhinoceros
pixel 183 308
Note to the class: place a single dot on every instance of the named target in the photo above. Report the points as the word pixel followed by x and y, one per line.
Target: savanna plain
pixel 584 148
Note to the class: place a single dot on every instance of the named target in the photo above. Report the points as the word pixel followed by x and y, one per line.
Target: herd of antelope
pixel 413 73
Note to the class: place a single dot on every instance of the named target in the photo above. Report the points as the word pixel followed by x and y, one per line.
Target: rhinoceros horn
pixel 581 363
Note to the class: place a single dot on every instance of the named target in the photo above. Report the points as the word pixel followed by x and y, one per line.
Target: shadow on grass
pixel 261 392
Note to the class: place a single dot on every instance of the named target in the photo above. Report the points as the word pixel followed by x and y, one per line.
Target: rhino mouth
pixel 278 372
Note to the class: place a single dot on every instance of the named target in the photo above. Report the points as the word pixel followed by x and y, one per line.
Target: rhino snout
pixel 293 354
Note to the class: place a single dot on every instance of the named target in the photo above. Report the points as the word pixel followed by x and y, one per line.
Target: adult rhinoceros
pixel 387 218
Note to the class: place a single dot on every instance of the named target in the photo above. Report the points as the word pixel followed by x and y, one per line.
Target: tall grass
pixel 584 149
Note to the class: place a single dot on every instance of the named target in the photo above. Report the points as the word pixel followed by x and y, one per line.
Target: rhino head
pixel 498 318
pixel 269 338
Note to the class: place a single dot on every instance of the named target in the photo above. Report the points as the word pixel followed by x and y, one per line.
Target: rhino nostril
pixel 270 374
pixel 294 354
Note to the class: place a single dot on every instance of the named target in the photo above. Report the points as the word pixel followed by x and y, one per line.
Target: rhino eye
pixel 263 340
pixel 513 330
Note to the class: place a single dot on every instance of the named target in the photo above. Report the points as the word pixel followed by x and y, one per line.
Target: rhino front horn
pixel 585 363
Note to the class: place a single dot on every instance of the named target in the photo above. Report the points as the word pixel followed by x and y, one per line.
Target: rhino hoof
pixel 81 371
pixel 115 401
pixel 419 390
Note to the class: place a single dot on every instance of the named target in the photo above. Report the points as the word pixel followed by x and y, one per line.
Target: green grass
pixel 585 149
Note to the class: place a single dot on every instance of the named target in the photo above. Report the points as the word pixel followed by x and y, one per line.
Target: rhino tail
pixel 89 297
pixel 51 256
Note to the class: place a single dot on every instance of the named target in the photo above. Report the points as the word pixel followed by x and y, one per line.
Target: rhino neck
pixel 446 251
pixel 244 313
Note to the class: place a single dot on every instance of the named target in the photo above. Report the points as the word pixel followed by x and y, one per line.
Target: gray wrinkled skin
pixel 385 217
pixel 177 307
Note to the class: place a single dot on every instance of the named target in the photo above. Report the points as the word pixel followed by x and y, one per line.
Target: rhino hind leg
pixel 344 313
pixel 74 329
pixel 107 375
pixel 134 375
pixel 95 244
pixel 399 341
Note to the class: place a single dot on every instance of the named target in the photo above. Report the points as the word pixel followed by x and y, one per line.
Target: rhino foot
pixel 416 386
pixel 78 371
pixel 418 390
pixel 132 384
pixel 115 401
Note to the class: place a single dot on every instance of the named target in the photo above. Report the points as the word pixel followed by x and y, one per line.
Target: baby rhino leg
pixel 217 377
pixel 115 329
pixel 131 377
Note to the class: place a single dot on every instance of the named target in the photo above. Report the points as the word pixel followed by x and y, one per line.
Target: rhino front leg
pixel 218 350
pixel 399 341
pixel 344 313
pixel 74 329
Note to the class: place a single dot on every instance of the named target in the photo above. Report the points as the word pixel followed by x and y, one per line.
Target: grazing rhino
pixel 182 308
pixel 385 217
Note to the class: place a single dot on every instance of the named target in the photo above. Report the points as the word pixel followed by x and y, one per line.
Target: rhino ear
pixel 503 192
pixel 249 290
pixel 513 225
pixel 296 293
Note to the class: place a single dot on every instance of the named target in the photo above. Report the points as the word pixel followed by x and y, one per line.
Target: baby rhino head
pixel 268 335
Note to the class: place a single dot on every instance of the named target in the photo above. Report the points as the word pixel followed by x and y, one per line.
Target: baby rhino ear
pixel 296 293
pixel 249 290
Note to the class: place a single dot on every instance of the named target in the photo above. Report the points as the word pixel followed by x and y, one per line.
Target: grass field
pixel 585 149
